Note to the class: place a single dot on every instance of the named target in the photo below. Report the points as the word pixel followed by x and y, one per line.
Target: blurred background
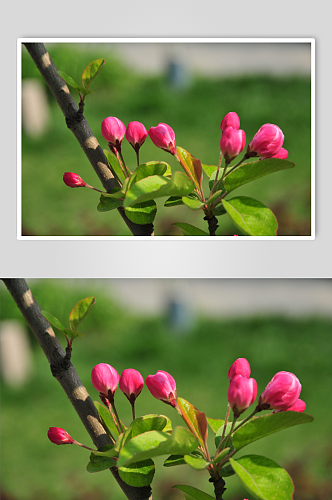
pixel 193 329
pixel 190 86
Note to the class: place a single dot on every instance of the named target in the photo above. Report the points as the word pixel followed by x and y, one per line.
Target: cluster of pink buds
pixel 281 394
pixel 233 139
pixel 266 143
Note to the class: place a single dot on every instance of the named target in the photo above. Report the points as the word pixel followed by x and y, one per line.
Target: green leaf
pixel 226 471
pixel 220 431
pixel 195 420
pixel 194 492
pixel 72 334
pixel 198 463
pixel 53 320
pixel 106 419
pixel 148 423
pixel 84 91
pixel 191 230
pixel 191 165
pixel 248 172
pixel 173 460
pixel 263 426
pixel 115 166
pixel 91 71
pixel 142 213
pixel 209 169
pixel 263 478
pixel 150 168
pixel 98 463
pixel 251 216
pixel 174 201
pixel 107 203
pixel 221 456
pixel 80 311
pixel 219 210
pixel 215 423
pixel 177 200
pixel 158 186
pixel 138 474
pixel 68 79
pixel 121 440
pixel 214 197
pixel 192 203
pixel 155 443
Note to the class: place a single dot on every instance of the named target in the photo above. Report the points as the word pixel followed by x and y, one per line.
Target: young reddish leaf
pixel 192 166
pixel 195 420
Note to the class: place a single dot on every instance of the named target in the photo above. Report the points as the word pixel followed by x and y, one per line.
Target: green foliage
pixel 263 478
pixel 251 216
pixel 266 425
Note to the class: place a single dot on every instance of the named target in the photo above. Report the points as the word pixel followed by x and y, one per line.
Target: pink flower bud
pixel 232 142
pixel 113 130
pixel 299 406
pixel 267 141
pixel 162 386
pixel 105 379
pixel 131 383
pixel 281 392
pixel 242 393
pixel 136 134
pixel 59 436
pixel 231 120
pixel 73 180
pixel 163 137
pixel 282 154
pixel 239 367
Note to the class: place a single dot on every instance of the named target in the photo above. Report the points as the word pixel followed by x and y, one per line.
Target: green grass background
pixel 198 358
pixel 49 208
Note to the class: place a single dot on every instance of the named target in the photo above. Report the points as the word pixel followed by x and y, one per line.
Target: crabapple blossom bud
pixel 230 120
pixel 267 141
pixel 299 406
pixel 105 379
pixel 73 180
pixel 136 134
pixel 232 142
pixel 242 393
pixel 281 392
pixel 131 383
pixel 282 154
pixel 239 367
pixel 162 386
pixel 59 436
pixel 113 130
pixel 163 137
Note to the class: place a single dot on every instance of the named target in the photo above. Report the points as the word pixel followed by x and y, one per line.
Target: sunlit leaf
pixel 194 492
pixel 247 172
pixel 80 311
pixel 251 216
pixel 158 186
pixel 91 71
pixel 263 478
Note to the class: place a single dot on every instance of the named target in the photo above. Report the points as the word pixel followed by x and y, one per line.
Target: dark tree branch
pixel 64 371
pixel 78 124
